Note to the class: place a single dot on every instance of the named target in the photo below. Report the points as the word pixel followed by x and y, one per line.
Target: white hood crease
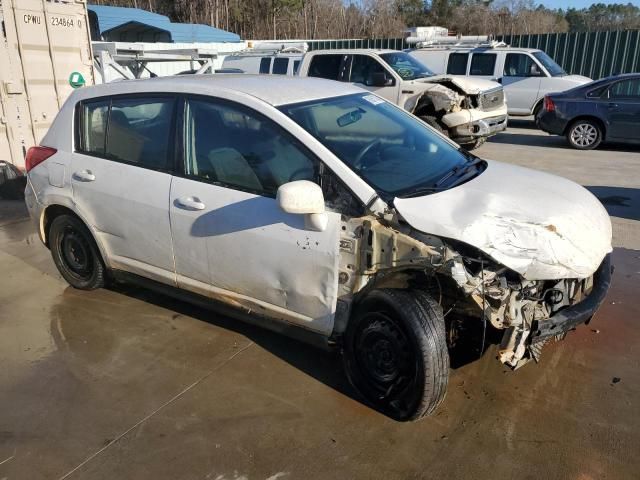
pixel 542 226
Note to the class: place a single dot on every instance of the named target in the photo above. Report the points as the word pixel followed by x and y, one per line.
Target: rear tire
pixel 76 254
pixel 584 135
pixel 395 353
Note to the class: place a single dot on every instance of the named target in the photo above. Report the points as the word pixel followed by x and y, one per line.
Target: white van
pixel 264 62
pixel 527 74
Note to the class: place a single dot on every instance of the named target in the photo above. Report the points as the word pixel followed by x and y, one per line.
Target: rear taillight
pixel 37 155
pixel 549 106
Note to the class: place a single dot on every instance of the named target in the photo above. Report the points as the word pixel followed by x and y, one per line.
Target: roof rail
pixel 272 48
pixel 487 41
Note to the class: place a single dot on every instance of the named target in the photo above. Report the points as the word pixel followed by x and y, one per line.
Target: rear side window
pixel 94 127
pixel 482 64
pixel 325 66
pixel 129 130
pixel 265 64
pixel 457 64
pixel 626 90
pixel 280 66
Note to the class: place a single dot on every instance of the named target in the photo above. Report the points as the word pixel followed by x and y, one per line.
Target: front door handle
pixel 84 176
pixel 612 105
pixel 190 203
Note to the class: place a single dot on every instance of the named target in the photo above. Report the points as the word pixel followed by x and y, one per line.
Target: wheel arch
pixel 51 212
pixel 592 118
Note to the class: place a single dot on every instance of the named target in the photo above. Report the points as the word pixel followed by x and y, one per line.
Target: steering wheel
pixel 357 163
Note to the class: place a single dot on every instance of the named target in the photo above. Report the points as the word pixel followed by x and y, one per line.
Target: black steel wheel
pixel 395 353
pixel 75 253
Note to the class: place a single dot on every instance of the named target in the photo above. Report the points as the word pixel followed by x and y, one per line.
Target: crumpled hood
pixel 542 226
pixel 471 86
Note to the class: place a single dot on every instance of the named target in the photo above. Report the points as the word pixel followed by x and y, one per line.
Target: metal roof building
pixel 121 24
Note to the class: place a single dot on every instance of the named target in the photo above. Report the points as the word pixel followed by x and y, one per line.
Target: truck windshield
pixel 547 62
pixel 406 66
pixel 393 151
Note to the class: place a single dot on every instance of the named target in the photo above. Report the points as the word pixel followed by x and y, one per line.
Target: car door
pixel 120 175
pixel 521 78
pixel 365 71
pixel 623 110
pixel 232 242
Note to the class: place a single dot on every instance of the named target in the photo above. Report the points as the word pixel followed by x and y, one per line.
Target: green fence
pixel 593 54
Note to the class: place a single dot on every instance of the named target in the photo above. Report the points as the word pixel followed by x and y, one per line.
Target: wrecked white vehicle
pixel 468 110
pixel 315 207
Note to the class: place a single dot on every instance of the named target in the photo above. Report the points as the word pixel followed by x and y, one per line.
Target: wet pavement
pixel 128 384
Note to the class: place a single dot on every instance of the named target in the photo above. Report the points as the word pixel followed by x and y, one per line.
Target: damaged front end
pixel 377 253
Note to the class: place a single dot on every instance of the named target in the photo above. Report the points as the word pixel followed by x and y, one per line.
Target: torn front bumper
pixel 485 127
pixel 577 314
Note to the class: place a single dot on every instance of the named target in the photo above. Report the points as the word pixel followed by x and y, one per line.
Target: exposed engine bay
pixel 384 253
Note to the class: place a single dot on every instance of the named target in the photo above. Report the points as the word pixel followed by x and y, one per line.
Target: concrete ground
pixel 127 384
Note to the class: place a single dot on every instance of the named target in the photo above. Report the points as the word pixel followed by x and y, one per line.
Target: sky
pixel 581 3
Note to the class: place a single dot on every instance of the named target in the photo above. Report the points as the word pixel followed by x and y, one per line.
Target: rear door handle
pixel 84 176
pixel 190 203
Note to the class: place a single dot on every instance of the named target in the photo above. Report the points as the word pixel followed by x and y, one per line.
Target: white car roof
pixel 275 90
pixel 352 51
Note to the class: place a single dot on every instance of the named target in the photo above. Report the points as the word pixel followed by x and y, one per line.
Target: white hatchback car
pixel 315 204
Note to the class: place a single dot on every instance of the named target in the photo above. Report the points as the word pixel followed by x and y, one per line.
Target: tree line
pixel 321 19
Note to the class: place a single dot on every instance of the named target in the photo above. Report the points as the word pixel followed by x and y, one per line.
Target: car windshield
pixel 406 66
pixel 547 62
pixel 393 151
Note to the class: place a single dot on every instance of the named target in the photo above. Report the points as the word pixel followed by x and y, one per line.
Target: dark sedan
pixel 604 110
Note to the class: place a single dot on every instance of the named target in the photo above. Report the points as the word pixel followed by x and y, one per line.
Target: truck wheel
pixel 76 254
pixel 584 135
pixel 433 122
pixel 478 142
pixel 395 353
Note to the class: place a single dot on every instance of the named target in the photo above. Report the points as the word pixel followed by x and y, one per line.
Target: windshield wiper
pixel 459 169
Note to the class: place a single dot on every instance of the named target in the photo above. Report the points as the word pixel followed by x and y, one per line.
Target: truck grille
pixel 492 100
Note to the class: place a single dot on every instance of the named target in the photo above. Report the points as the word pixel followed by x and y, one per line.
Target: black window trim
pixel 78 143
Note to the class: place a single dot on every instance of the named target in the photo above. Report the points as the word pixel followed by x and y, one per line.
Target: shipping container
pixel 45 52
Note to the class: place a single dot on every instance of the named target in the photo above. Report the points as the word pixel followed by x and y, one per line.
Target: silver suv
pixel 323 211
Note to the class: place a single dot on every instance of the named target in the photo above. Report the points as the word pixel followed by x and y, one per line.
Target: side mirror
pixel 379 79
pixel 303 197
pixel 534 71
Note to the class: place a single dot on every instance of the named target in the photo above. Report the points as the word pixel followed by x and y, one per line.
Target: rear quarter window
pixel 265 64
pixel 482 64
pixel 280 66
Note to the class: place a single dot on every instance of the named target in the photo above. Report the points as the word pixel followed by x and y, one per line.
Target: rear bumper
pixel 579 313
pixel 550 122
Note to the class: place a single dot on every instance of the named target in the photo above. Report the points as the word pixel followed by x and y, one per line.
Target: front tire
pixel 477 143
pixel 76 254
pixel 584 135
pixel 395 353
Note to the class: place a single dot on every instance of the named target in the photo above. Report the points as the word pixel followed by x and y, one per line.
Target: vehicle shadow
pixel 323 365
pixel 620 202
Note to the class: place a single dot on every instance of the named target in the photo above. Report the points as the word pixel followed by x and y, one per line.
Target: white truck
pixel 468 110
pixel 45 52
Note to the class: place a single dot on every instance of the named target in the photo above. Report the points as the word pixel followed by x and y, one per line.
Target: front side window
pixel 326 66
pixel 129 130
pixel 139 131
pixel 482 64
pixel 626 90
pixel 520 65
pixel 265 64
pixel 236 147
pixel 457 64
pixel 390 149
pixel 364 69
pixel 280 66
pixel 406 66
pixel 547 62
